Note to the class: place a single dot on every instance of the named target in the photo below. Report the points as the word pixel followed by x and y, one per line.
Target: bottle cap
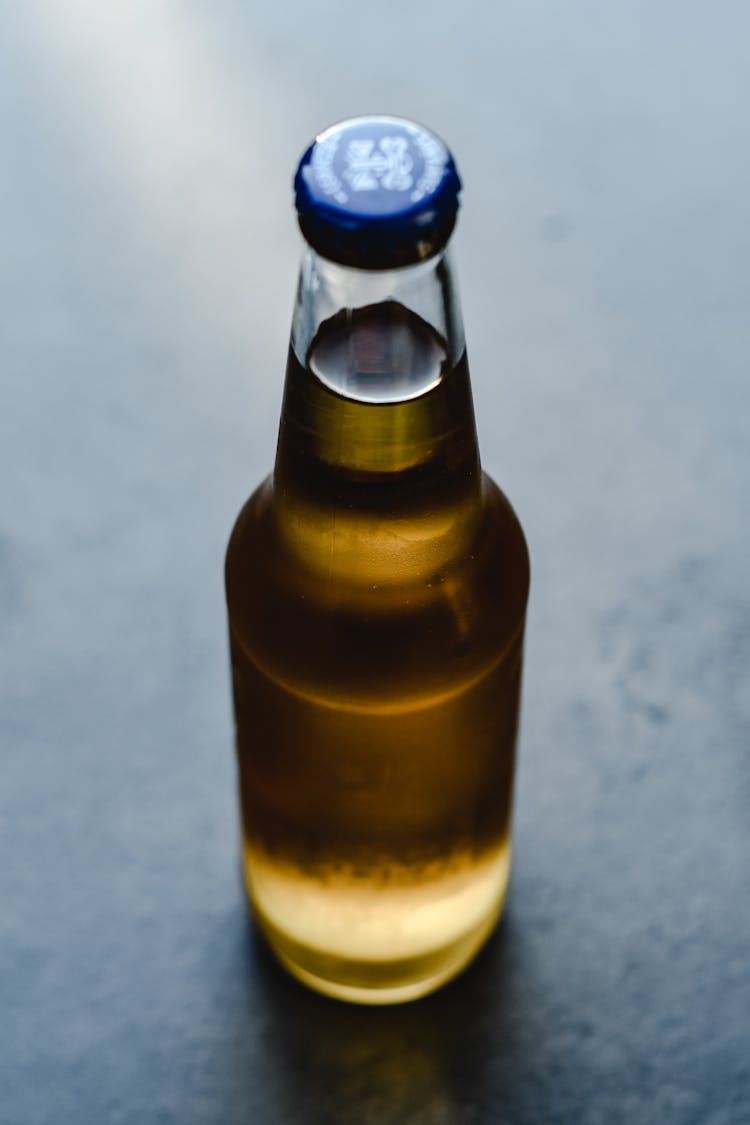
pixel 377 192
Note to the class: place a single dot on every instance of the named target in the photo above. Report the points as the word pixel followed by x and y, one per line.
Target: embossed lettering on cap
pixel 379 164
pixel 405 159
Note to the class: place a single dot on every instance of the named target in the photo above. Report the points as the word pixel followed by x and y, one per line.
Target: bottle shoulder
pixel 247 529
pixel 375 630
pixel 259 524
pixel 507 535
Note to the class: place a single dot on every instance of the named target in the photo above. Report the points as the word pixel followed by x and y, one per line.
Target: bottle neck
pixel 377 427
pixel 377 379
pixel 427 289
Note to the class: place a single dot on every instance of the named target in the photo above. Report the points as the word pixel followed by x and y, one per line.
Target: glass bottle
pixel 376 587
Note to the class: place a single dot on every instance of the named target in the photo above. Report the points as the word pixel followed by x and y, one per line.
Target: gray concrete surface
pixel 147 263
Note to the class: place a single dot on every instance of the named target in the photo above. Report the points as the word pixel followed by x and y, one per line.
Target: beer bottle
pixel 376 587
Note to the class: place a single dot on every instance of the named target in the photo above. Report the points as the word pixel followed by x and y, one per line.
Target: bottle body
pixel 376 588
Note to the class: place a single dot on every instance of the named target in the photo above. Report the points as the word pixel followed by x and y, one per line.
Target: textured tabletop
pixel 148 255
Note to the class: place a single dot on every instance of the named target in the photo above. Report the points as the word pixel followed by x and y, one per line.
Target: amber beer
pixel 376 586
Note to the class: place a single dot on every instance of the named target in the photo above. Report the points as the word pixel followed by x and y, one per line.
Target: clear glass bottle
pixel 376 587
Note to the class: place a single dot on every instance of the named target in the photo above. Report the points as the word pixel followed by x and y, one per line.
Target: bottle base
pixel 389 947
pixel 378 984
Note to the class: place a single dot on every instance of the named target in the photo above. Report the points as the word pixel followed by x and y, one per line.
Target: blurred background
pixel 148 254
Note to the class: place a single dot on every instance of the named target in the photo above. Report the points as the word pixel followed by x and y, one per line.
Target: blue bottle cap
pixel 377 192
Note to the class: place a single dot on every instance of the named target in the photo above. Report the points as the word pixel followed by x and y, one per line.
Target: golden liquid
pixel 376 588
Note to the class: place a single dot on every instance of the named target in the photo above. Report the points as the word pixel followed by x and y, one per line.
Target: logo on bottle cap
pixel 409 161
pixel 377 191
